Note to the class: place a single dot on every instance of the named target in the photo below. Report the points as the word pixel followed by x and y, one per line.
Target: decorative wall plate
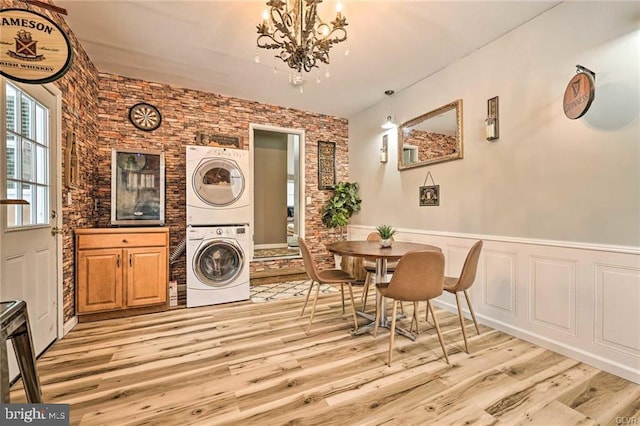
pixel 579 93
pixel 145 116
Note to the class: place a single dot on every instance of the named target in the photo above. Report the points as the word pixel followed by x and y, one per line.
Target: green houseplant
pixel 344 203
pixel 386 233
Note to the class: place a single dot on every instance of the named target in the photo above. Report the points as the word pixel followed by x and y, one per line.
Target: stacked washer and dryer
pixel 219 211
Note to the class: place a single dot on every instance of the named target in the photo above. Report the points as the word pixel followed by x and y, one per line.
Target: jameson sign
pixel 33 48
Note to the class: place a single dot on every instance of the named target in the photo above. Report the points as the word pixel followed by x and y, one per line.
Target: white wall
pixel 547 176
pixel 557 201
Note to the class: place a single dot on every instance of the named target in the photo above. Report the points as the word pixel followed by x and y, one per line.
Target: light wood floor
pixel 247 363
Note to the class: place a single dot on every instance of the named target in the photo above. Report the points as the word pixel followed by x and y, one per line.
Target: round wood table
pixel 372 249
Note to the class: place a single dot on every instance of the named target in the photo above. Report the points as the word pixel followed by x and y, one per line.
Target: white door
pixel 28 250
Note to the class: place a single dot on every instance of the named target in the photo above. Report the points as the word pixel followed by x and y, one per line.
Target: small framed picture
pixel 430 195
pixel 326 165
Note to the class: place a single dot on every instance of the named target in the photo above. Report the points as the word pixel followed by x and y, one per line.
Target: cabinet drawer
pixel 92 241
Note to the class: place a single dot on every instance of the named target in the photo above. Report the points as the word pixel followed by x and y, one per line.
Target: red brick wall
pixel 79 87
pixel 185 112
pixel 431 145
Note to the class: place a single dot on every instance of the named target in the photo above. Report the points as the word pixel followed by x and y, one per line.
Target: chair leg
pixel 473 316
pixel 342 292
pixel 460 317
pixel 353 307
pixel 307 299
pixel 414 318
pixel 313 309
pixel 378 310
pixel 393 329
pixel 426 315
pixel 365 291
pixel 435 321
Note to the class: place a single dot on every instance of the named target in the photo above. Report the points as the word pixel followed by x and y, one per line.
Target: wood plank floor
pixel 245 363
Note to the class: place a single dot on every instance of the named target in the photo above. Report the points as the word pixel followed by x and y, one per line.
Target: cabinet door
pixel 146 276
pixel 99 280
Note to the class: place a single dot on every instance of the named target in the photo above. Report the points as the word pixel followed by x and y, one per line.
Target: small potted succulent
pixel 386 233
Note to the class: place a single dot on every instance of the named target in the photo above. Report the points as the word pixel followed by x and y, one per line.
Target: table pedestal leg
pixel 381 276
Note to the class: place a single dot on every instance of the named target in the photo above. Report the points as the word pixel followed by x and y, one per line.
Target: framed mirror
pixel 431 138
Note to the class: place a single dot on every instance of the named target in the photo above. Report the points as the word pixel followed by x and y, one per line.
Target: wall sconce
pixel 492 121
pixel 384 149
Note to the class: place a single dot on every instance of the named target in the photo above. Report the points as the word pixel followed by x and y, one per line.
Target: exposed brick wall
pixel 431 145
pixel 79 111
pixel 95 106
pixel 185 112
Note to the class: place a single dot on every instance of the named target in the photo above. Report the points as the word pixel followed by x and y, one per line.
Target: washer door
pixel 218 182
pixel 218 262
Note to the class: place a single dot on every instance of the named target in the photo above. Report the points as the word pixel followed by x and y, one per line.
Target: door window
pixel 27 159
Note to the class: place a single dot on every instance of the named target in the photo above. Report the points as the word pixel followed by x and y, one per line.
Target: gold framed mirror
pixel 432 137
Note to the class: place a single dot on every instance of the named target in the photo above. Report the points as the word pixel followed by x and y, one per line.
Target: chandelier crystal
pixel 294 28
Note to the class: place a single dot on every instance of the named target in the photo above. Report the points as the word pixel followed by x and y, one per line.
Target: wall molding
pixel 579 300
pixel 517 240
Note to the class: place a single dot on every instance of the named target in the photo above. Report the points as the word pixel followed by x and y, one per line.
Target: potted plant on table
pixel 386 233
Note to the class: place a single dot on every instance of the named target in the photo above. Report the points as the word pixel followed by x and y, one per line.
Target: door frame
pixel 59 222
pixel 301 158
pixel 55 152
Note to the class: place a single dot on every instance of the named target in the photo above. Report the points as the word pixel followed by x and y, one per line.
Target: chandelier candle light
pixel 294 28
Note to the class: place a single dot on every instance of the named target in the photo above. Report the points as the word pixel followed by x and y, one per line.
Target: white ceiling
pixel 211 45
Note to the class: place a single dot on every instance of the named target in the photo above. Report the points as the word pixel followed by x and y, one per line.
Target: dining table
pixel 373 250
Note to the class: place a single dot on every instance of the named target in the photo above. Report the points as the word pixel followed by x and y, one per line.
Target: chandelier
pixel 294 28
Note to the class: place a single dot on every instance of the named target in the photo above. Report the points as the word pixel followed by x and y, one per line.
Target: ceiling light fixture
pixel 294 28
pixel 388 123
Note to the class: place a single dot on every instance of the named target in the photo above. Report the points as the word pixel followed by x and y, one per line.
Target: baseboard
pixel 270 246
pixel 68 326
pixel 553 345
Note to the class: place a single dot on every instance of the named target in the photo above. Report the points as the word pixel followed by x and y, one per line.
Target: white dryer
pixel 217 264
pixel 218 186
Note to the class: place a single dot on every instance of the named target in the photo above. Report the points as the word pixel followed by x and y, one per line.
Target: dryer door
pixel 218 182
pixel 218 262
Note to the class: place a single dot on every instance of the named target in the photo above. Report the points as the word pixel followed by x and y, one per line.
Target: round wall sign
pixel 578 95
pixel 145 116
pixel 33 48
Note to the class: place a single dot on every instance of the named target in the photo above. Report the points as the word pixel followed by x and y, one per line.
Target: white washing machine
pixel 217 264
pixel 218 186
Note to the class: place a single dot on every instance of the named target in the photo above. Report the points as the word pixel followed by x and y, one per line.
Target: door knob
pixel 55 231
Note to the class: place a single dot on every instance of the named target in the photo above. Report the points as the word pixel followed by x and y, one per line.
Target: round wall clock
pixel 145 116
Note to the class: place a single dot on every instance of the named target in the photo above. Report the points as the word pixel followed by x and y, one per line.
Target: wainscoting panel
pixel 499 289
pixel 553 293
pixel 580 300
pixel 617 316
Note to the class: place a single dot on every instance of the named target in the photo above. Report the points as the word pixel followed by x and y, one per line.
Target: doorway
pixel 29 244
pixel 277 191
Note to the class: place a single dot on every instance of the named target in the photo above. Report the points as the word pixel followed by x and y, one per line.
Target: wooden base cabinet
pixel 121 271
